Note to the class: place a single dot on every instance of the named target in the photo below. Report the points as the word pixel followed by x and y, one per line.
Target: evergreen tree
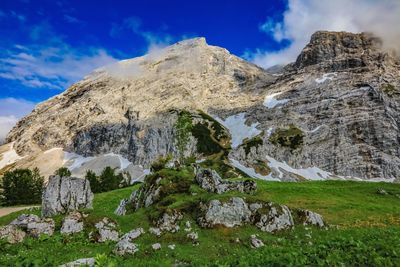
pixel 63 172
pixel 94 181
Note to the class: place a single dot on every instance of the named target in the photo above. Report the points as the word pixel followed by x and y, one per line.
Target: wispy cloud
pixel 304 17
pixel 12 109
pixel 155 40
pixel 53 63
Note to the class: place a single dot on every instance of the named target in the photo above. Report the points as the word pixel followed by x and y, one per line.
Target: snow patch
pixel 311 173
pixel 325 77
pixel 236 124
pixel 270 101
pixel 75 161
pixel 9 157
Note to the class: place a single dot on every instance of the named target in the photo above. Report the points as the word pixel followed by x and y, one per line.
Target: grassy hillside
pixel 365 232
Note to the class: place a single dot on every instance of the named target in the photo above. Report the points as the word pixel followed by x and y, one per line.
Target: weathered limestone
pixel 72 223
pixel 12 233
pixel 168 222
pixel 65 194
pixel 105 230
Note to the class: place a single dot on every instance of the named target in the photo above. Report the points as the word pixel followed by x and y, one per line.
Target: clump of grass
pixel 389 89
pixel 291 137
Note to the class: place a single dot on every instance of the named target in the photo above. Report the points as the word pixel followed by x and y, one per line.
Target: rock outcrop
pixel 12 234
pixel 211 181
pixel 65 194
pixel 267 216
pixel 125 245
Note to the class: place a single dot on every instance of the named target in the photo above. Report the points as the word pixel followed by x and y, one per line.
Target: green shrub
pixel 206 145
pixel 63 172
pixel 253 142
pixel 389 89
pixel 22 186
pixel 94 181
pixel 291 137
pixel 107 181
pixel 160 163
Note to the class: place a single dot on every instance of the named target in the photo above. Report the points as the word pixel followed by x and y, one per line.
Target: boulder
pixel 255 242
pixel 105 230
pixel 233 213
pixel 168 222
pixel 23 220
pixel 211 181
pixel 72 223
pixel 277 218
pixel 307 217
pixel 45 226
pixel 12 233
pixel 80 262
pixel 65 194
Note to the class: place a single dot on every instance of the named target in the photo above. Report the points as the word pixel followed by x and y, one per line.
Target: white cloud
pixel 12 109
pixel 48 61
pixel 304 17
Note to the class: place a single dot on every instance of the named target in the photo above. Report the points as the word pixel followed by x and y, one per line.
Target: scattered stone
pixel 80 262
pixel 307 217
pixel 172 246
pixel 72 223
pixel 169 221
pixel 194 236
pixel 255 242
pixel 188 226
pixel 12 233
pixel 124 246
pixel 121 209
pixel 45 226
pixel 156 246
pixel 278 218
pixel 133 234
pixel 106 230
pixel 230 214
pixel 65 194
pixel 155 231
pixel 382 191
pixel 211 181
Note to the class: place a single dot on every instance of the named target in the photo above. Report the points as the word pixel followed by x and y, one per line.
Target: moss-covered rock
pixel 291 137
pixel 252 142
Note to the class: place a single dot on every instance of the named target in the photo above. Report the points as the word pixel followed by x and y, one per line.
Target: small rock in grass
pixel 255 242
pixel 106 230
pixel 381 191
pixel 72 223
pixel 124 247
pixel 171 246
pixel 156 246
pixel 133 234
pixel 192 236
pixel 80 262
pixel 155 231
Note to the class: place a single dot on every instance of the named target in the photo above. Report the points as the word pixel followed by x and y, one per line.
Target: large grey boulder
pixel 277 218
pixel 65 194
pixel 211 181
pixel 23 220
pixel 233 213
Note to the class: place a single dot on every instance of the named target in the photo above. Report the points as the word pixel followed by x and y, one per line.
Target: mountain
pixel 332 114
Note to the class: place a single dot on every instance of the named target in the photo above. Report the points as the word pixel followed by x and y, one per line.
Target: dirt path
pixel 8 210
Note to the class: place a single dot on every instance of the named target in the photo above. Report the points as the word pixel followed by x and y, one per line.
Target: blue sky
pixel 46 45
pixel 96 32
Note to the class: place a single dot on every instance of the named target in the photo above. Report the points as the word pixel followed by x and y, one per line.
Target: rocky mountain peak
pixel 340 50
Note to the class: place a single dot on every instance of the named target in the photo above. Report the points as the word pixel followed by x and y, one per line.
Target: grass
pixel 367 232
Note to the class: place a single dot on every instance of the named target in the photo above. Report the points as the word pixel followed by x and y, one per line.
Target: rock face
pixel 211 181
pixel 64 194
pixel 335 112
